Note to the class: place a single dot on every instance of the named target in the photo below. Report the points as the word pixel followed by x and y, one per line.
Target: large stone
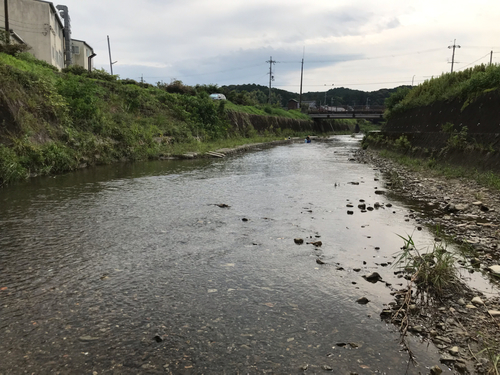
pixel 495 270
pixel 494 313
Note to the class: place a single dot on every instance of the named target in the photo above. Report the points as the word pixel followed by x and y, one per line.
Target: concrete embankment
pixel 425 126
pixel 461 133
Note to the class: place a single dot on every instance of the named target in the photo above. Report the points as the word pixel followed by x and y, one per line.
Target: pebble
pixel 477 301
pixel 363 301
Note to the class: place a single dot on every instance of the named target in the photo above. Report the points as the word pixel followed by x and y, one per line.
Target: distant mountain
pixel 335 96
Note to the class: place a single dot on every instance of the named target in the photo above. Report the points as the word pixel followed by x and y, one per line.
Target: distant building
pixel 293 104
pixel 311 104
pixel 81 53
pixel 37 23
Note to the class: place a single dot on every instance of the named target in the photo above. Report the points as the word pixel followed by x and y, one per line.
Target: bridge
pixel 347 115
pixel 348 112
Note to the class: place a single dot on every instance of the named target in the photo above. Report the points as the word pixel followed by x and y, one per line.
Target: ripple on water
pixel 97 264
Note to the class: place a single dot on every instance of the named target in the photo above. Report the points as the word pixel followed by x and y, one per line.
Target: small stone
pixel 304 367
pixel 158 338
pixel 436 370
pixel 316 243
pixel 373 277
pixel 244 219
pixel 327 368
pixel 461 302
pixel 454 351
pixel 380 192
pixel 494 313
pixel 495 270
pixel 298 241
pixel 363 301
pixel 350 212
pixel 388 205
pixel 477 301
pixel 319 261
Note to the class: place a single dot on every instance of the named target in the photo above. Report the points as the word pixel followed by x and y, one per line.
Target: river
pixel 134 268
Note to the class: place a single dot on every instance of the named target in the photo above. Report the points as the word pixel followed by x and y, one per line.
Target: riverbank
pixel 464 325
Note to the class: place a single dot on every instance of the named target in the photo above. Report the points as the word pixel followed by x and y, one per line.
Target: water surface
pixel 133 268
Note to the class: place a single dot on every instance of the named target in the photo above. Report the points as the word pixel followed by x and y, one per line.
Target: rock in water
pixel 298 241
pixel 363 301
pixel 373 277
pixel 319 261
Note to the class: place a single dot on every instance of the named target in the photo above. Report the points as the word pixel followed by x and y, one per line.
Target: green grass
pixel 465 85
pixel 267 110
pixel 433 271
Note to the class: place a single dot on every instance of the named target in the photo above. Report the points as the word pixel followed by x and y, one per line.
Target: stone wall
pixel 423 125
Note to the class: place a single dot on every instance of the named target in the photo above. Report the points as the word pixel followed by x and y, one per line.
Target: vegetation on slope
pixel 53 122
pixel 464 86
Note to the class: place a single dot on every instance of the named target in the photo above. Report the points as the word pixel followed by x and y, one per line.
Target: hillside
pixel 253 94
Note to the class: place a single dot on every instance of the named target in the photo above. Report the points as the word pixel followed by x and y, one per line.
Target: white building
pixel 82 53
pixel 38 24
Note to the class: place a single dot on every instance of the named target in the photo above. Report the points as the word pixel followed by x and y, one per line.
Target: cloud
pixel 229 41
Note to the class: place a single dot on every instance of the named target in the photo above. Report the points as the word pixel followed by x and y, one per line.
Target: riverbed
pixel 190 267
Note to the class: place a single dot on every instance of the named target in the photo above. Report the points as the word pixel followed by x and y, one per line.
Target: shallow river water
pixel 134 268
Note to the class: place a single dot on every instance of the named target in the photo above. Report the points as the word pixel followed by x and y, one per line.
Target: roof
pixel 82 41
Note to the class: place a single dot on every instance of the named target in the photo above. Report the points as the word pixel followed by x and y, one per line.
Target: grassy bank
pixel 54 122
pixel 464 86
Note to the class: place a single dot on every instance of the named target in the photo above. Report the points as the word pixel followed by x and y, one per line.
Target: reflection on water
pixel 133 268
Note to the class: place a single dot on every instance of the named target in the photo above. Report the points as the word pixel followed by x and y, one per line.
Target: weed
pixel 433 272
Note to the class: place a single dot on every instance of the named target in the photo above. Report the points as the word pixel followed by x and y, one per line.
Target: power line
pixel 482 57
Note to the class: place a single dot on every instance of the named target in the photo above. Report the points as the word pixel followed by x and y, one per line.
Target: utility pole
pixel 453 54
pixel 301 78
pixel 491 54
pixel 271 77
pixel 7 27
pixel 111 62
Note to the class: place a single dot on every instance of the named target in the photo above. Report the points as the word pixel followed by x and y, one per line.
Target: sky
pixel 359 44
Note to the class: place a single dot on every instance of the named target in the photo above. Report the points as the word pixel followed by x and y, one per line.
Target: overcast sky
pixel 360 44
